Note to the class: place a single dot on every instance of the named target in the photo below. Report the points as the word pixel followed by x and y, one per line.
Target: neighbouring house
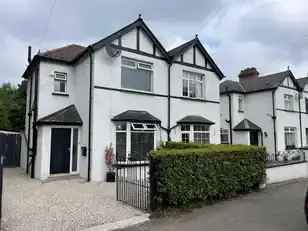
pixel 269 110
pixel 125 90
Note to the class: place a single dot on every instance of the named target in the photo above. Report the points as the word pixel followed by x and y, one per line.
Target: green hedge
pixel 184 173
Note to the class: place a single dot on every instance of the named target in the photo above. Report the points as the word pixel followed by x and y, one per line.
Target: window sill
pixel 60 94
pixel 137 91
pixel 196 98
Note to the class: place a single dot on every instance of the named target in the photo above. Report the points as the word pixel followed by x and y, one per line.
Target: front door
pixel 60 150
pixel 254 138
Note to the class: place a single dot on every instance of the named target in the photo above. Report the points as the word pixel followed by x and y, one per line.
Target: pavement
pixel 278 207
pixel 66 204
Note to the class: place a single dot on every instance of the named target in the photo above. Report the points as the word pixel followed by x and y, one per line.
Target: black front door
pixel 254 138
pixel 60 150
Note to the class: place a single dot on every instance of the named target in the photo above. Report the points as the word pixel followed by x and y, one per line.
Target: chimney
pixel 29 54
pixel 248 74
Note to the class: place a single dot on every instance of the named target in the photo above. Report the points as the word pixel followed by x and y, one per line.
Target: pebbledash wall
pixel 108 101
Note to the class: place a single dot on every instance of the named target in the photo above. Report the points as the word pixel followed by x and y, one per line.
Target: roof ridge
pixel 60 48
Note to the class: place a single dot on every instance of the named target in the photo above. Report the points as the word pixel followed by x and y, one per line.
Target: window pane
pixel 75 150
pixel 137 79
pixel 129 62
pixel 185 137
pixel 141 144
pixel 59 75
pixel 199 90
pixel 192 89
pixel 185 127
pixel 201 138
pixel 201 127
pixel 121 146
pixel 121 126
pixel 185 87
pixel 59 85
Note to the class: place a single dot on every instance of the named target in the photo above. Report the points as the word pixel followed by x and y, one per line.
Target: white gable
pixel 188 56
pixel 200 60
pixel 146 45
pixel 129 39
pixel 288 82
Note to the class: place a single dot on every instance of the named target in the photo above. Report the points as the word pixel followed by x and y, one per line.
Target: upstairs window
pixel 136 75
pixel 306 104
pixel 196 133
pixel 240 103
pixel 193 85
pixel 60 82
pixel 288 102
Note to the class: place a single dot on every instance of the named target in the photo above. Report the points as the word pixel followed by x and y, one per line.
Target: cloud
pixel 268 34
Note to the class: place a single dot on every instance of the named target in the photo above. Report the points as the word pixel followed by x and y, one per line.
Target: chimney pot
pixel 248 74
pixel 29 54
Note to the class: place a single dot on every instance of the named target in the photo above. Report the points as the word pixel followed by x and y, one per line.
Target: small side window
pixel 60 83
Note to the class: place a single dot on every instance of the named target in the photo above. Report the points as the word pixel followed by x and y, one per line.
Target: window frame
pixel 56 78
pixel 195 80
pixel 288 100
pixel 137 65
pixel 226 133
pixel 129 129
pixel 293 131
pixel 191 132
pixel 240 103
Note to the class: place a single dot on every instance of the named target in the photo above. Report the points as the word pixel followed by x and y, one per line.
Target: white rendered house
pixel 269 110
pixel 125 90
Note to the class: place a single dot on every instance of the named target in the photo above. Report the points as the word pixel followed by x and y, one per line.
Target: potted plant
pixel 109 158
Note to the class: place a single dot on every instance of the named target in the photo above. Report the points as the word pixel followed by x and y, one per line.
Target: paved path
pixel 279 207
pixel 71 204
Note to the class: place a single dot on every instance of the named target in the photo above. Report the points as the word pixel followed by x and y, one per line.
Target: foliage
pixel 109 157
pixel 186 173
pixel 12 106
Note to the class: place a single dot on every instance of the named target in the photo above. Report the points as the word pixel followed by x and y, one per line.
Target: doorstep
pixel 57 177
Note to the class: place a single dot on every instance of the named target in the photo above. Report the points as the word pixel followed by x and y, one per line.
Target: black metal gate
pixel 133 183
pixel 10 144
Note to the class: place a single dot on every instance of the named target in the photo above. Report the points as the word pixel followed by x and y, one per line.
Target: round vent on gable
pixel 113 52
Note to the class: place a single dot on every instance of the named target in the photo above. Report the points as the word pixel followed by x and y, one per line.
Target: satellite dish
pixel 113 52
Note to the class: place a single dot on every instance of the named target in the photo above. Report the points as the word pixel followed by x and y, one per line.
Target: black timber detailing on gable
pixel 65 116
pixel 246 125
pixel 195 119
pixel 136 116
pixel 139 23
pixel 138 38
pixel 197 44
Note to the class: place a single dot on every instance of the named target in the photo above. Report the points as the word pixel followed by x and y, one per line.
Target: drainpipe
pixel 300 118
pixel 274 122
pixel 90 112
pixel 34 128
pixel 29 123
pixel 230 118
pixel 169 106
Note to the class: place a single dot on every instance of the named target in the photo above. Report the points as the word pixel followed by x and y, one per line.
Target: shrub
pixel 185 173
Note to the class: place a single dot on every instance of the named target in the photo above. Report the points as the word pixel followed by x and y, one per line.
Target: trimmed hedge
pixel 185 173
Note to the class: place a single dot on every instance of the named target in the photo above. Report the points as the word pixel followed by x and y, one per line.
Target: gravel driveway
pixel 70 204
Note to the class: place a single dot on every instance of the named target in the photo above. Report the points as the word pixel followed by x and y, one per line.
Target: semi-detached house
pixel 125 90
pixel 269 110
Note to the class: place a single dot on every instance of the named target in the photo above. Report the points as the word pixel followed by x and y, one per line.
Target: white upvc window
pixel 195 133
pixel 290 137
pixel 224 136
pixel 288 102
pixel 193 85
pixel 134 140
pixel 136 75
pixel 240 103
pixel 60 82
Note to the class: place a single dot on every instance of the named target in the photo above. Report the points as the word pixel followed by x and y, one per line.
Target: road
pixel 278 207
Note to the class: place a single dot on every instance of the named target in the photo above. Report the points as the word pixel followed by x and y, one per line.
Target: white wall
pixel 287 172
pixel 241 137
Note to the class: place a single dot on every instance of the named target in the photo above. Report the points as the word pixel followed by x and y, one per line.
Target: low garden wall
pixel 181 174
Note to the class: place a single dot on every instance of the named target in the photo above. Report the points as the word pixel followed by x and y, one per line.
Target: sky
pixel 270 35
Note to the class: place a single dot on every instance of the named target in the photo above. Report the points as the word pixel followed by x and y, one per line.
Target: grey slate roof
pixel 65 54
pixel 246 125
pixel 302 82
pixel 136 116
pixel 194 119
pixel 66 116
pixel 262 83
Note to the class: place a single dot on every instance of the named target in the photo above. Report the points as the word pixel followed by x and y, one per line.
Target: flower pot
pixel 110 176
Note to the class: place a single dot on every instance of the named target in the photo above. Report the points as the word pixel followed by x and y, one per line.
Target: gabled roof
pixel 66 116
pixel 195 119
pixel 196 42
pixel 302 82
pixel 262 83
pixel 246 125
pixel 139 23
pixel 136 116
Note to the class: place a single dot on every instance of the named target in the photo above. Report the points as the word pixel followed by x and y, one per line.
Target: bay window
pixel 193 85
pixel 290 137
pixel 136 75
pixel 196 133
pixel 134 140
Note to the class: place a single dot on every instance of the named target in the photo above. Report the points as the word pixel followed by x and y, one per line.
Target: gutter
pixel 300 118
pixel 29 126
pixel 230 119
pixel 90 48
pixel 274 122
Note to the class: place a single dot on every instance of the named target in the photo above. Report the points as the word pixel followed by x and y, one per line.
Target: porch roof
pixel 136 116
pixel 246 125
pixel 66 116
pixel 195 119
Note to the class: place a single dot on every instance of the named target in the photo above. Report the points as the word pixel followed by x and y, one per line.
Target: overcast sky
pixel 268 34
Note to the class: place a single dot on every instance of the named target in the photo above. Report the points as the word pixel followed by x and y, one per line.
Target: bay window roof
pixel 136 116
pixel 195 119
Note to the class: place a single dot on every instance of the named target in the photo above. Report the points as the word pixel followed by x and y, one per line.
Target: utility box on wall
pixel 84 151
